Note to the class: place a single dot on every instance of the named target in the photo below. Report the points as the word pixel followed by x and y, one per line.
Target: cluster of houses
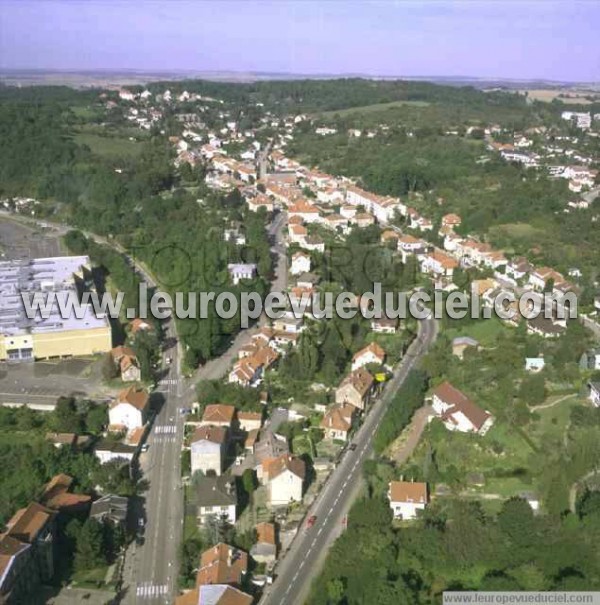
pixel 29 542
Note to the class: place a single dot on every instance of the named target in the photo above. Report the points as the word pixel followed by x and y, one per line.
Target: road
pixel 301 564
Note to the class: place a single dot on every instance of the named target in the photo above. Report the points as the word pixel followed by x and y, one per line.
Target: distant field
pixel 574 98
pixel 110 147
pixel 375 107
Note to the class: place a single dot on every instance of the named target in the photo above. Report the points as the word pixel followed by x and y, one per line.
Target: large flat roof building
pixel 50 335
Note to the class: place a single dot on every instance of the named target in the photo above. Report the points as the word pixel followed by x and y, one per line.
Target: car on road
pixel 169 360
pixel 145 447
pixel 352 447
pixel 311 521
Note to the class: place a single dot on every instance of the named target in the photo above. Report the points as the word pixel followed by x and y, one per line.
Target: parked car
pixel 311 521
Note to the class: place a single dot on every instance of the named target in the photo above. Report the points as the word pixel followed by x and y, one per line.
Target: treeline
pixel 323 95
pixel 406 402
pixel 458 547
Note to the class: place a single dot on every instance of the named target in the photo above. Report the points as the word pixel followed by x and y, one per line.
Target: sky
pixel 554 40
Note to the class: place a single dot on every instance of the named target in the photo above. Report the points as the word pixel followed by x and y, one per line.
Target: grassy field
pixel 108 146
pixel 485 332
pixel 547 96
pixel 374 107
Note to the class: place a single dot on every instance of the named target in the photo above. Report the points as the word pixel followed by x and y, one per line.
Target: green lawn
pixel 302 444
pixel 485 331
pixel 374 107
pixel 108 146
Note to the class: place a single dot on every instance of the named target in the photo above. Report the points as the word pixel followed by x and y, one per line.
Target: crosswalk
pixel 168 381
pixel 165 428
pixel 147 590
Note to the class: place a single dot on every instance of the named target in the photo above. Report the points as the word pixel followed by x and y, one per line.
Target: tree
pixel 65 418
pixel 336 590
pixel 90 546
pixel 533 389
pixel 110 371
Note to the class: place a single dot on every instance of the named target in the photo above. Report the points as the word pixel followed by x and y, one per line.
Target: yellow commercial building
pixel 49 334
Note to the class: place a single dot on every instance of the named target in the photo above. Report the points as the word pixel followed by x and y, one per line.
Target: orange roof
pixel 338 418
pixel 444 259
pixel 459 402
pixel 266 533
pixel 251 438
pixel 136 397
pixel 451 219
pixel 121 351
pixel 373 348
pixel 222 564
pixel 256 416
pixel 218 412
pixel 9 547
pixel 408 491
pixel 295 220
pixel 140 324
pixel 28 522
pixel 273 467
pixel 215 434
pixel 360 379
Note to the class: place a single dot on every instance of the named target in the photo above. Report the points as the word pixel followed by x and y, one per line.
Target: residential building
pixel 208 446
pixel 337 422
pixel 594 393
pixel 462 343
pixel 239 271
pixel 218 414
pixel 222 564
pixel 249 421
pixel 407 499
pixel 371 354
pixel 215 497
pixel 534 364
pixel 57 496
pixel 458 412
pixel 284 477
pixel 356 389
pixel 214 594
pixel 110 508
pixel 384 325
pixel 126 361
pixel 129 409
pixel 265 549
pixel 18 573
pixel 300 263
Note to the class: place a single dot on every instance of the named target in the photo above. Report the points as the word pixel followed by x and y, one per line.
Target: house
pixel 371 354
pixel 540 277
pixel 407 499
pixel 214 594
pixel 249 421
pixel 248 371
pixel 269 445
pixel 218 414
pixel 107 451
pixel 451 220
pixel 130 408
pixel 110 508
pixel 337 422
pixel 35 525
pixel 208 446
pixel 594 393
pixel 140 325
pixel 265 548
pixel 355 389
pixel 384 325
pixel 259 201
pixel 222 564
pixel 239 271
pixel 56 496
pixel 215 497
pixel 534 364
pixel 461 343
pixel 458 412
pixel 438 263
pixel 126 360
pixel 284 477
pixel 590 360
pixel 545 327
pixel 18 574
pixel 300 263
pixel 62 439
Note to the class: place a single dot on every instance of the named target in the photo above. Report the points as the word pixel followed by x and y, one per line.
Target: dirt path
pixel 400 450
pixel 545 406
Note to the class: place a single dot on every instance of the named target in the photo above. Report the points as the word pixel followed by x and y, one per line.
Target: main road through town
pixel 302 562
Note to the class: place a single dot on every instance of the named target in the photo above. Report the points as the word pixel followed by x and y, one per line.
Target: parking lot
pixel 40 383
pixel 18 241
